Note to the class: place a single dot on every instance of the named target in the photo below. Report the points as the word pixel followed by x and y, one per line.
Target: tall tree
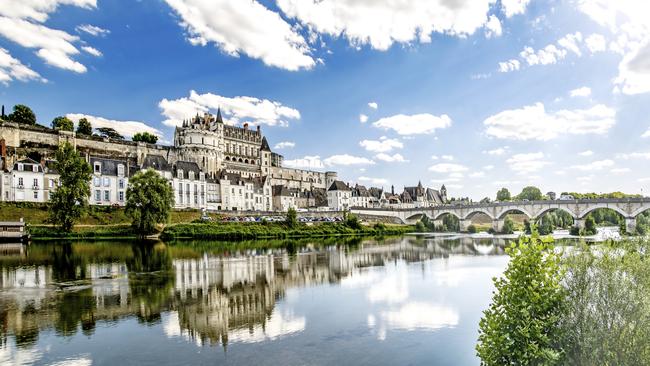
pixel 70 199
pixel 22 114
pixel 149 199
pixel 530 193
pixel 84 127
pixel 145 137
pixel 62 123
pixel 110 133
pixel 503 195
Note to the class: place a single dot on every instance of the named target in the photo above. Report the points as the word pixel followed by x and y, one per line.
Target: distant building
pixel 339 196
pixel 551 196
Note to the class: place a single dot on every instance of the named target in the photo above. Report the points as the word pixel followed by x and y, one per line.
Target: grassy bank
pixel 83 232
pixel 248 231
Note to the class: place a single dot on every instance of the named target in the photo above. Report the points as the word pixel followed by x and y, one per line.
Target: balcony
pixel 35 188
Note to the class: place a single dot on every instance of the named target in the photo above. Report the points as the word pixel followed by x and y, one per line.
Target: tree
pixel 149 199
pixel 508 226
pixel 110 133
pixel 291 220
pixel 145 137
pixel 530 193
pixel 22 114
pixel 521 325
pixel 70 199
pixel 84 127
pixel 503 195
pixel 62 123
pixel 590 225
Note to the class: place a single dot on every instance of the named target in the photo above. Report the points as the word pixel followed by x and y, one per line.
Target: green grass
pixel 83 232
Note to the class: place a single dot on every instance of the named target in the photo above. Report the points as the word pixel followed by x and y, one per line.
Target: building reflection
pixel 208 298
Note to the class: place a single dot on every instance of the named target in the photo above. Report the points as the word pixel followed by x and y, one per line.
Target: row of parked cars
pixel 272 219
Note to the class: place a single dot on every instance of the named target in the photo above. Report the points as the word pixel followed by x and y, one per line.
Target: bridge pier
pixel 464 225
pixel 580 223
pixel 497 225
pixel 630 225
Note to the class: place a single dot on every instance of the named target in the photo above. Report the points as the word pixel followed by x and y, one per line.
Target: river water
pixel 402 301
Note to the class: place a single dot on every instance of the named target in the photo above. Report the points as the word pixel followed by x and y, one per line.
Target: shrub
pixel 352 221
pixel 291 219
pixel 419 227
pixel 472 229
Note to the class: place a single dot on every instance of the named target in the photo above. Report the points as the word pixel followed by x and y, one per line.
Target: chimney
pixel 246 126
pixel 3 148
pixel 259 129
pixel 392 190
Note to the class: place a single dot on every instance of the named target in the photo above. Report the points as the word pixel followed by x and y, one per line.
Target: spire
pixel 219 118
pixel 265 145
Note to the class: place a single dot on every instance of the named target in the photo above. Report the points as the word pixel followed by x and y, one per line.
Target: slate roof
pixel 281 190
pixel 337 185
pixel 28 165
pixel 108 166
pixel 156 162
pixel 265 145
pixel 187 166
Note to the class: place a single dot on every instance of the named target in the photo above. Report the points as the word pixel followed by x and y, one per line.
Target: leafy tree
pixel 84 127
pixel 590 226
pixel 527 227
pixel 530 193
pixel 291 219
pixel 22 114
pixel 145 137
pixel 472 229
pixel 508 226
pixel 419 227
pixel 110 133
pixel 149 199
pixel 521 325
pixel 70 199
pixel 62 123
pixel 503 195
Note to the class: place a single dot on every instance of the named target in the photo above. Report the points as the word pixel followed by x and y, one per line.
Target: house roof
pixel 337 185
pixel 28 164
pixel 108 166
pixel 265 145
pixel 156 162
pixel 187 166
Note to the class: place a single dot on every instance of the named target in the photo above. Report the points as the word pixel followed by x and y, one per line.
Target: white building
pixel 189 185
pixel 339 196
pixel 24 183
pixel 108 183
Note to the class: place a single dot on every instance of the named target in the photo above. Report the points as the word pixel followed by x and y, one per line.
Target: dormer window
pixel 191 175
pixel 120 170
pixel 98 167
pixel 202 176
pixel 20 167
pixel 35 168
pixel 180 174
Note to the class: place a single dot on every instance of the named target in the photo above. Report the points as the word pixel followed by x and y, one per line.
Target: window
pixel 20 167
pixel 191 175
pixel 98 167
pixel 20 182
pixel 35 195
pixel 35 168
pixel 121 183
pixel 180 174
pixel 120 170
pixel 107 195
pixel 97 181
pixel 107 182
pixel 98 195
pixel 35 182
pixel 120 196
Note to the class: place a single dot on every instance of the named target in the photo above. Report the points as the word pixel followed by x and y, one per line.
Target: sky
pixel 473 94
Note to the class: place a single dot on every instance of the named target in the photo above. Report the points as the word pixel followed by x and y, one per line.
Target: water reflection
pixel 205 296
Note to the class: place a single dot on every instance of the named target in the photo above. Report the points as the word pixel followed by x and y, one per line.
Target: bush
pixel 291 219
pixel 508 226
pixel 521 325
pixel 419 227
pixel 574 231
pixel 352 221
pixel 472 229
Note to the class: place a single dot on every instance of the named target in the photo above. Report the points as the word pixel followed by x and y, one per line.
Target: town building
pixel 339 196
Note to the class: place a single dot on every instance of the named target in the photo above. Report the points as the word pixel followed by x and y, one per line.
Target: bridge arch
pixel 476 211
pixel 501 215
pixel 416 217
pixel 439 215
pixel 560 208
pixel 640 210
pixel 590 209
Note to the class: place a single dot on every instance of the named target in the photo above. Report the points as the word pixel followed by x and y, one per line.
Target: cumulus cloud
pixel 92 51
pixel 527 163
pixel 510 65
pixel 373 105
pixel 493 27
pixel 92 30
pixel 586 153
pixel 646 134
pixel 396 158
pixel 535 123
pixel 384 144
pixel 514 7
pixel 416 124
pixel 380 24
pixel 21 22
pixel 596 43
pixel 496 152
pixel 12 69
pixel 447 168
pixel 580 92
pixel 235 110
pixel 125 128
pixel 347 160
pixel 307 162
pixel 594 165
pixel 363 118
pixel 375 181
pixel 621 170
pixel 285 145
pixel 246 27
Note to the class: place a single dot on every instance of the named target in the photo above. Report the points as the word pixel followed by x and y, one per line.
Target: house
pixel 283 198
pixel 360 196
pixel 24 183
pixel 189 185
pixel 339 196
pixel 108 183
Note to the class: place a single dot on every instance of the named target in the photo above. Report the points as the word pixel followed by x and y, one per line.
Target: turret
pixel 219 118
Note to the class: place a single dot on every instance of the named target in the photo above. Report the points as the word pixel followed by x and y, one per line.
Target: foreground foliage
pixel 149 200
pixel 68 202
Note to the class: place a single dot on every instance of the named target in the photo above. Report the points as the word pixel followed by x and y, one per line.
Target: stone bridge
pixel 629 208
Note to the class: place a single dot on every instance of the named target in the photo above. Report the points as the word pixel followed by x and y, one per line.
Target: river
pixel 401 301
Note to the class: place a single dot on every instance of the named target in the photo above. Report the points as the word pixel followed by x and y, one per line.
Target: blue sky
pixel 475 94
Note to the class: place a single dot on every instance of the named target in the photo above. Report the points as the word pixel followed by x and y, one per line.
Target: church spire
pixel 219 118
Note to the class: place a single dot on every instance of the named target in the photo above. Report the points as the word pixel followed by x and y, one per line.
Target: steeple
pixel 219 118
pixel 265 145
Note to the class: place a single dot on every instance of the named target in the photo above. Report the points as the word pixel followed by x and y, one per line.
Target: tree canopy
pixel 70 199
pixel 22 114
pixel 145 137
pixel 84 127
pixel 110 133
pixel 149 199
pixel 62 123
pixel 503 195
pixel 530 193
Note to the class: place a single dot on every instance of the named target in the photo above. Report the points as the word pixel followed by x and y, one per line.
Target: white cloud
pixel 620 170
pixel 534 122
pixel 634 71
pixel 363 118
pixel 447 168
pixel 384 144
pixel 635 155
pixel 125 128
pixel 307 162
pixel 235 110
pixel 581 92
pixel 247 27
pixel 586 153
pixel 375 181
pixel 527 163
pixel 594 165
pixel 396 158
pixel 347 160
pixel 479 174
pixel 514 7
pixel 493 27
pixel 596 43
pixel 545 56
pixel 13 69
pixel 92 30
pixel 447 157
pixel 285 145
pixel 510 65
pixel 488 167
pixel 373 105
pixel 571 42
pixel 39 10
pixel 496 152
pixel 382 23
pixel 416 124
pixel 92 51
pixel 646 134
